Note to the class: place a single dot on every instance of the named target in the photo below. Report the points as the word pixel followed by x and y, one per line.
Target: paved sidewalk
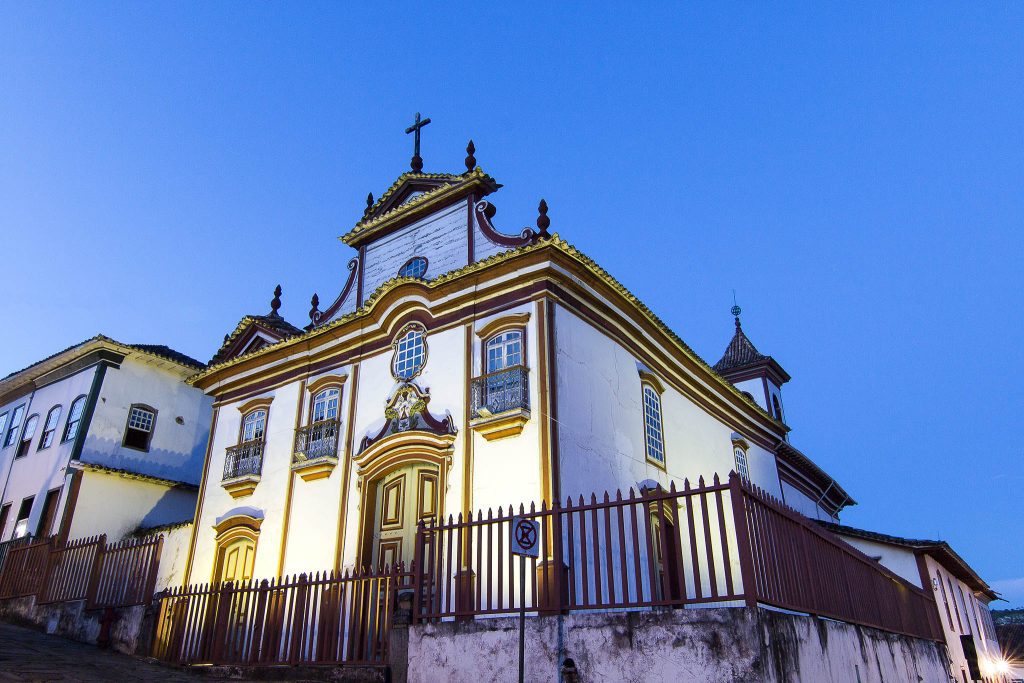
pixel 27 655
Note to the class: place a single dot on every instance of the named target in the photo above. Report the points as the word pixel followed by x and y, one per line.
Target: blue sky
pixel 853 170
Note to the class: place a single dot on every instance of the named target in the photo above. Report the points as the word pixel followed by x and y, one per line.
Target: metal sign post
pixel 525 534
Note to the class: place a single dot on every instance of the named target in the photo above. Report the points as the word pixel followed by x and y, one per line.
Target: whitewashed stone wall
pixel 176 450
pixel 440 237
pixel 708 645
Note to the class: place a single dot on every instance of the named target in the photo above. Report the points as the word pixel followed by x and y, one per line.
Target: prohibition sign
pixel 524 536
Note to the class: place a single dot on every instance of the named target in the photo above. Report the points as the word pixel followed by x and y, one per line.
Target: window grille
pixel 410 354
pixel 505 350
pixel 654 437
pixel 139 431
pixel 416 267
pixel 49 428
pixel 254 425
pixel 74 419
pixel 741 462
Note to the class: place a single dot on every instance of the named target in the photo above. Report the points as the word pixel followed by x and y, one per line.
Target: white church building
pixel 100 438
pixel 461 368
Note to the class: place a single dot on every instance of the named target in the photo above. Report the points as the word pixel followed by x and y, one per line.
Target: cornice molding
pixel 501 323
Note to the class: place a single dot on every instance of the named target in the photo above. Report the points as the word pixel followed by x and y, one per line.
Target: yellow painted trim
pixel 542 400
pixel 467 446
pixel 249 406
pixel 320 468
pixel 321 383
pixel 237 520
pixel 241 486
pixel 199 501
pixel 502 323
pixel 501 426
pixel 346 471
pixel 652 379
pixel 300 404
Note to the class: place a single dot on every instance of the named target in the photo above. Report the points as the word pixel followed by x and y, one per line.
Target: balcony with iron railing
pixel 316 449
pixel 242 467
pixel 500 402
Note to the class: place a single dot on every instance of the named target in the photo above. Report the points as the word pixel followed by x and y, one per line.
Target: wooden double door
pixel 402 499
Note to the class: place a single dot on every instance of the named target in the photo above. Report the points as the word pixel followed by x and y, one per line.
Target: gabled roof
pixel 272 325
pixel 940 551
pixel 29 374
pixel 414 195
pixel 741 355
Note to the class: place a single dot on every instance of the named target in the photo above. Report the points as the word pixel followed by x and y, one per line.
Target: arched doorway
pixel 402 479
pixel 237 536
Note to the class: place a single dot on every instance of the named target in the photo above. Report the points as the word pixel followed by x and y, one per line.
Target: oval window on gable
pixel 410 353
pixel 414 267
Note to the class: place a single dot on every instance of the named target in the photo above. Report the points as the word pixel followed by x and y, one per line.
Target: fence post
pixel 154 566
pixel 743 546
pixel 44 584
pixel 94 572
pixel 256 649
pixel 298 619
pixel 417 569
pixel 220 628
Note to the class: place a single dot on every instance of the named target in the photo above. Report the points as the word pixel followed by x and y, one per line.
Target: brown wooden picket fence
pixel 117 575
pixel 719 544
pixel 728 544
pixel 318 619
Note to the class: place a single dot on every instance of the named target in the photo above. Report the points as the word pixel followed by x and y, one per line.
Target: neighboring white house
pixel 460 369
pixel 102 437
pixel 961 596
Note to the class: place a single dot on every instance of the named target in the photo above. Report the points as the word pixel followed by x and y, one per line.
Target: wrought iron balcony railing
pixel 500 391
pixel 317 441
pixel 245 459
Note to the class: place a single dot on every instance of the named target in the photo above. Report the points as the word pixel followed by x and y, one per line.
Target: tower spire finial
pixel 470 158
pixel 735 310
pixel 275 303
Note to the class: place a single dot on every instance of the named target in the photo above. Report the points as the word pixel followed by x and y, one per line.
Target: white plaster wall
pixel 440 237
pixel 173 555
pixel 965 615
pixel 269 496
pixel 799 501
pixel 176 451
pixel 601 432
pixel 40 471
pixel 900 560
pixel 482 244
pixel 116 506
pixel 754 387
pixel 508 471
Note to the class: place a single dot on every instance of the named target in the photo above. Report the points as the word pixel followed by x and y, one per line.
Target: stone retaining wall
pixel 721 644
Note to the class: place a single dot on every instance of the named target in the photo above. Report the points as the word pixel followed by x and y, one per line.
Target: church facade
pixel 461 368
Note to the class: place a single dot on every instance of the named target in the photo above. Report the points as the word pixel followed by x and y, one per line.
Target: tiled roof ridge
pixel 740 352
pixel 160 350
pixel 371 221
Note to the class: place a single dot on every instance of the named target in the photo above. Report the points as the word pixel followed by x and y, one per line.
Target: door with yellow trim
pixel 236 560
pixel 402 498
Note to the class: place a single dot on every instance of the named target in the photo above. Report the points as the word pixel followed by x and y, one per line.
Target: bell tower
pixel 758 376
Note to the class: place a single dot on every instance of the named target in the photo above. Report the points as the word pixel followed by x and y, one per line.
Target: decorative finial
pixel 369 203
pixel 417 160
pixel 275 303
pixel 543 222
pixel 735 310
pixel 470 159
pixel 315 301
